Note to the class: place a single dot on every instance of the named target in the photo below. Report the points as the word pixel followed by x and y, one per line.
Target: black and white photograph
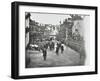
pixel 53 40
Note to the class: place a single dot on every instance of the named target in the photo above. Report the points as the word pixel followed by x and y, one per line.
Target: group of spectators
pixel 45 45
pixel 52 45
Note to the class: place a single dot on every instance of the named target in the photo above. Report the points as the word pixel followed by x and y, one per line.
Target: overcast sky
pixel 46 18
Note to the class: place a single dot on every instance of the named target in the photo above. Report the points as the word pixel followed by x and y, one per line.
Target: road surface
pixel 68 58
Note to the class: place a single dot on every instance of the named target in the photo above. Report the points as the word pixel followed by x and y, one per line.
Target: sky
pixel 47 18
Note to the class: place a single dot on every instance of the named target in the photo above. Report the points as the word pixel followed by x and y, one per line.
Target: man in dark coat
pixel 44 50
pixel 57 48
pixel 50 45
pixel 46 45
pixel 53 45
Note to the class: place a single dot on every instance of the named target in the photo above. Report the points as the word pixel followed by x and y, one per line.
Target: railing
pixel 78 48
pixel 75 46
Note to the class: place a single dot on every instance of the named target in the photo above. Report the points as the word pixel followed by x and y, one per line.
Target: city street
pixel 68 58
pixel 42 32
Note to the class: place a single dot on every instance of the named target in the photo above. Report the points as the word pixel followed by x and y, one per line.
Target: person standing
pixel 46 45
pixel 50 45
pixel 57 48
pixel 44 50
pixel 53 45
pixel 62 48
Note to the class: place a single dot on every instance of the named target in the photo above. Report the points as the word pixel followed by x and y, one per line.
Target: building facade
pixel 27 22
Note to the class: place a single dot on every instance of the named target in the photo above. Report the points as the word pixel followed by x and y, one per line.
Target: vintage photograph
pixel 53 40
pixel 50 40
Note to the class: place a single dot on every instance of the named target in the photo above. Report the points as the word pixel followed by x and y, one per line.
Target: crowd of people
pixel 51 45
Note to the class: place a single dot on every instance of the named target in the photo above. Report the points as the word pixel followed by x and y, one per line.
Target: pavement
pixel 68 58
